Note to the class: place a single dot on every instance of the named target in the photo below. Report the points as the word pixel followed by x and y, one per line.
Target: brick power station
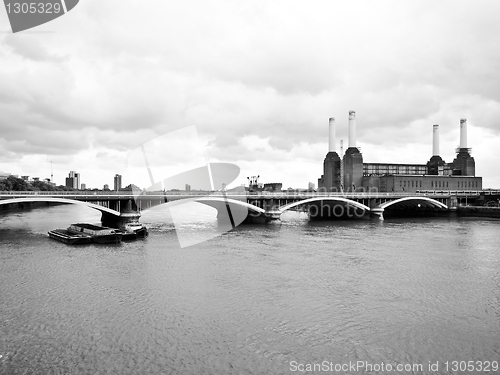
pixel 351 174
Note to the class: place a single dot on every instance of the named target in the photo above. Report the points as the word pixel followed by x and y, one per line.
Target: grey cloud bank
pixel 259 80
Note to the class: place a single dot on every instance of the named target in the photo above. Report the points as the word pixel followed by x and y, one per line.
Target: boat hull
pixel 101 235
pixel 128 236
pixel 107 238
pixel 140 230
pixel 143 232
pixel 65 236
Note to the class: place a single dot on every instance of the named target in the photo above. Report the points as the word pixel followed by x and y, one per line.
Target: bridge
pixel 120 207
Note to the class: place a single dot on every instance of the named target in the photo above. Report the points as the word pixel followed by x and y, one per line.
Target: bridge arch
pixel 59 200
pixel 218 200
pixel 413 201
pixel 317 199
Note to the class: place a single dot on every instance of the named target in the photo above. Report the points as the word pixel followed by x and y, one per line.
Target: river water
pixel 257 300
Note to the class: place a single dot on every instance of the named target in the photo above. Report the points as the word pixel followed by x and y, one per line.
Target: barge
pixel 63 235
pixel 97 233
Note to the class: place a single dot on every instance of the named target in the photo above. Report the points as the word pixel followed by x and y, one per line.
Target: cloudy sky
pixel 257 79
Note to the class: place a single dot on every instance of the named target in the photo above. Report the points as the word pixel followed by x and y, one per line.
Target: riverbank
pixel 25 206
pixel 479 211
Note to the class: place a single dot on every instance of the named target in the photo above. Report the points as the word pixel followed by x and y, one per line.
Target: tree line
pixel 12 183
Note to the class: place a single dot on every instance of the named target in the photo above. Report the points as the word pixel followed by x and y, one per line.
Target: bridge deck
pixel 118 195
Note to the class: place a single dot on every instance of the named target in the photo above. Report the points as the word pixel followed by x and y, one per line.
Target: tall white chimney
pixel 463 133
pixel 352 129
pixel 331 135
pixel 435 140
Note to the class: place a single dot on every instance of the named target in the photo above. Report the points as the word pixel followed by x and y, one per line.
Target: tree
pixel 12 183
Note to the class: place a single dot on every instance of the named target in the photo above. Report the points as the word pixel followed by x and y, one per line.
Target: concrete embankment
pixel 479 211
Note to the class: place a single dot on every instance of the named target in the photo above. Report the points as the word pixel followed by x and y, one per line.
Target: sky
pixel 252 83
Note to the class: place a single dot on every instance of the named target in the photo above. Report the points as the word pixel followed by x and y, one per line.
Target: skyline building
pixel 73 180
pixel 117 182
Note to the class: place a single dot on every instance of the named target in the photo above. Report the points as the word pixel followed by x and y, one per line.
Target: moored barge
pixel 97 233
pixel 65 236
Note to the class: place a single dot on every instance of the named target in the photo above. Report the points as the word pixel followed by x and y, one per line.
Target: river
pixel 275 299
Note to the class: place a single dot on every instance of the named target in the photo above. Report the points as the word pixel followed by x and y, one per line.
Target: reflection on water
pixel 249 301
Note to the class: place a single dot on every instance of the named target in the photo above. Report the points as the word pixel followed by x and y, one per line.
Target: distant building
pixel 117 182
pixel 106 187
pixel 188 187
pixel 273 186
pixel 73 180
pixel 351 174
pixel 412 183
pixel 84 186
pixel 311 186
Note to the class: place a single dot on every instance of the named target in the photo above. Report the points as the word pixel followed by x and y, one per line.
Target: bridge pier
pixel 377 212
pixel 269 217
pixel 127 205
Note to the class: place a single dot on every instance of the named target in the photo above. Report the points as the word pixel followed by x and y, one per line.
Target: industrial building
pixel 273 186
pixel 351 174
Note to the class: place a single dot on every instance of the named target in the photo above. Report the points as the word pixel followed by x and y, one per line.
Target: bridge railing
pixel 109 193
pixel 76 192
pixel 261 194
pixel 83 193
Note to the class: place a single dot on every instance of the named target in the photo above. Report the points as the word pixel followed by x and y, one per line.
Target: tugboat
pixel 134 226
pixel 65 236
pixel 97 233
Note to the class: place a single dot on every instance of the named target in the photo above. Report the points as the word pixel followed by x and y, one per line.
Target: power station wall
pixel 464 164
pixel 391 168
pixel 330 180
pixel 353 169
pixel 413 183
